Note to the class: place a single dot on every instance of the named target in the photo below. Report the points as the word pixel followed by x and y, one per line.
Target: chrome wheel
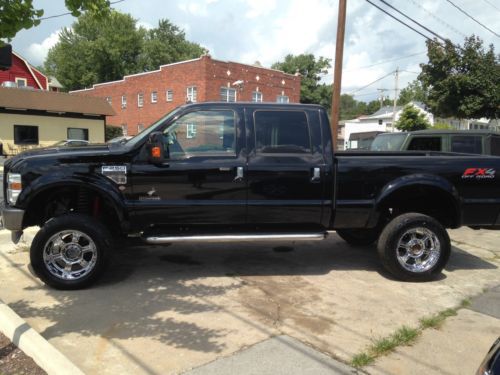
pixel 70 255
pixel 418 250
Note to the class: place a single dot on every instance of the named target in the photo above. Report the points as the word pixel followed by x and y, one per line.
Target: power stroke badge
pixel 116 173
pixel 479 173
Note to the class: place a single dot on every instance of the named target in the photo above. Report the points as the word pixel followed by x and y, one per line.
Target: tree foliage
pixel 97 50
pixel 412 119
pixel 462 82
pixel 16 15
pixel 112 132
pixel 311 70
pixel 413 92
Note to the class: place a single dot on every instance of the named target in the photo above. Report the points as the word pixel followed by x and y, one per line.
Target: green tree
pixel 413 92
pixel 112 132
pixel 105 49
pixel 462 82
pixel 441 126
pixel 16 15
pixel 412 119
pixel 96 50
pixel 167 44
pixel 311 71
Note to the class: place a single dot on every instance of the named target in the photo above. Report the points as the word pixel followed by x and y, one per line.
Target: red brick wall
pixel 20 70
pixel 206 74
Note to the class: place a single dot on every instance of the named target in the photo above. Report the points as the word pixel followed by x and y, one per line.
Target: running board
pixel 156 240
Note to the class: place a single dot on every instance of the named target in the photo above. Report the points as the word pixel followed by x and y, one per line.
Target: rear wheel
pixel 414 247
pixel 70 251
pixel 359 237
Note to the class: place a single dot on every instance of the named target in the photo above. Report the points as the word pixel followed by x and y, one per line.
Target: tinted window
pixel 425 144
pixel 466 144
pixel 202 132
pixel 25 135
pixel 495 145
pixel 282 132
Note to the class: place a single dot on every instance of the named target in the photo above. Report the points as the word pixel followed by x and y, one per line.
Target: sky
pixel 267 30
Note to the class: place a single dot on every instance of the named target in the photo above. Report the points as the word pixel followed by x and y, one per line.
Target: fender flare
pixel 414 180
pixel 99 184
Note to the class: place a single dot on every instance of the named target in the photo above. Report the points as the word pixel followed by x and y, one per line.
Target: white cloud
pixel 37 52
pixel 259 8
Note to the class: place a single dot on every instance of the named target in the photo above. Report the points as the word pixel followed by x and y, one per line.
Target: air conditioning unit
pixel 9 84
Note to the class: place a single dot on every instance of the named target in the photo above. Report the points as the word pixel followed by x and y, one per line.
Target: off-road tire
pixel 395 230
pixel 77 222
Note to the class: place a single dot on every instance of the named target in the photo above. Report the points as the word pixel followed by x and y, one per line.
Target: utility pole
pixel 337 73
pixel 396 79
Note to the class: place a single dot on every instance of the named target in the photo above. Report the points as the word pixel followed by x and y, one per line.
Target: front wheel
pixel 70 251
pixel 414 247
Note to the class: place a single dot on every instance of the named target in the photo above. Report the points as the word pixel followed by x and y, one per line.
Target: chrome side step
pixel 156 240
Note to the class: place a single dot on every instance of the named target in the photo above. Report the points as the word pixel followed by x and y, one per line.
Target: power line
pixel 397 19
pixel 364 87
pixel 411 19
pixel 67 13
pixel 494 6
pixel 386 61
pixel 439 19
pixel 472 18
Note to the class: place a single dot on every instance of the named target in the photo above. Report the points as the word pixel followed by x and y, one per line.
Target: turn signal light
pixel 156 152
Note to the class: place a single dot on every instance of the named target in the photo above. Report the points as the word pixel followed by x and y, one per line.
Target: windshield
pixel 388 142
pixel 145 133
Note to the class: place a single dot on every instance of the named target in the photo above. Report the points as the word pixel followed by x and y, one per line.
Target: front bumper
pixel 12 217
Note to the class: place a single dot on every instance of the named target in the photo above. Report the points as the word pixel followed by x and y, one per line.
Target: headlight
pixel 14 187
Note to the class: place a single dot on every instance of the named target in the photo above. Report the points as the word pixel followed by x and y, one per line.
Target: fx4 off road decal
pixel 479 173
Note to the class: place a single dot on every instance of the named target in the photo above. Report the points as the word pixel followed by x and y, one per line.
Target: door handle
pixel 316 174
pixel 239 174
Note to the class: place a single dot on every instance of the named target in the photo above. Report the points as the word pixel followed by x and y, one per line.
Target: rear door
pixel 286 168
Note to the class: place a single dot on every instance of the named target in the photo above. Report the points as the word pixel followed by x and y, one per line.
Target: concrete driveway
pixel 162 310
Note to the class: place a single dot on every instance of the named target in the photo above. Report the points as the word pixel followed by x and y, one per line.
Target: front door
pixel 200 182
pixel 286 168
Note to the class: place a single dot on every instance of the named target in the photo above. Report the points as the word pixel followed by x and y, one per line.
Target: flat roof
pixel 50 101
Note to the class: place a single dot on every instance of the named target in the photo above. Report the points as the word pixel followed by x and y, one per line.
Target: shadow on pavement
pixel 148 291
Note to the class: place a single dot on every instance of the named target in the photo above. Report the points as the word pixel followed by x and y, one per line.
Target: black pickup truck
pixel 243 172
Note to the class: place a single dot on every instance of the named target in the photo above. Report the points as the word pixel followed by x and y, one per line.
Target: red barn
pixel 23 74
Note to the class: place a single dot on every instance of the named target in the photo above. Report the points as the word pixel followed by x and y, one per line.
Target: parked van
pixel 462 141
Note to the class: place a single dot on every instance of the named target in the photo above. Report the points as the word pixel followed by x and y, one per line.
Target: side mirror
pixel 155 148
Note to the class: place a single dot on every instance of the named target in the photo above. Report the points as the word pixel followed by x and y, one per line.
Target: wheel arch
pixel 427 194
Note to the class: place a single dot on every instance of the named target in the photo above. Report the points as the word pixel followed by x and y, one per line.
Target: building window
pixel 257 97
pixel 282 99
pixel 140 100
pixel 78 133
pixel 192 94
pixel 190 131
pixel 227 94
pixel 25 135
pixel 108 99
pixel 170 95
pixel 124 129
pixel 21 82
pixel 140 128
pixel 154 97
pixel 124 101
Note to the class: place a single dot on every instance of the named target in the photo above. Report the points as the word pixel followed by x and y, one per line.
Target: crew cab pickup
pixel 243 172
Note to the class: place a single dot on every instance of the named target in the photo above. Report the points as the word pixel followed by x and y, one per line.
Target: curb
pixel 51 360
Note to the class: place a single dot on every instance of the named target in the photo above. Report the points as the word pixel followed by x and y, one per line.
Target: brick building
pixel 141 99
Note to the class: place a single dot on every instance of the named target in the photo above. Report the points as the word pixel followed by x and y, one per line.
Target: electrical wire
pixel 494 6
pixel 397 19
pixel 371 83
pixel 439 19
pixel 385 61
pixel 412 20
pixel 472 18
pixel 67 13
